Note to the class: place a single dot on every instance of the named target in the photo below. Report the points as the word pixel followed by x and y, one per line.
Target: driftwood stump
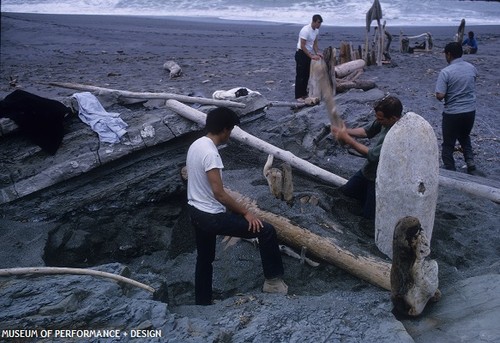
pixel 414 280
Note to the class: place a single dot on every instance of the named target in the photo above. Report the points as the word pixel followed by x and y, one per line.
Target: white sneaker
pixel 276 285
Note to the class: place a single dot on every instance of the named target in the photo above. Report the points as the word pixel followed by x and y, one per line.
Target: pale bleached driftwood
pixel 471 184
pixel 244 137
pixel 369 268
pixel 147 95
pixel 344 69
pixel 75 271
pixel 173 67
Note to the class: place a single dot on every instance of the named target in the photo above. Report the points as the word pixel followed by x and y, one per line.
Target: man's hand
pixel 340 134
pixel 254 223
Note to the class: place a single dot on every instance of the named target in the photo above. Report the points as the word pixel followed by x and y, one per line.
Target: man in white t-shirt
pixel 208 204
pixel 307 50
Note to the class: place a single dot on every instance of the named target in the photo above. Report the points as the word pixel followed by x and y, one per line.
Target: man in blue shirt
pixel 470 44
pixel 456 85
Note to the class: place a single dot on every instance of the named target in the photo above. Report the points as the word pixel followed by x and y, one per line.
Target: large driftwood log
pixel 369 268
pixel 472 186
pixel 244 137
pixel 344 69
pixel 147 95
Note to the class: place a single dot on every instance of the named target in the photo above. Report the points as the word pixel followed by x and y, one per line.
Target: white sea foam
pixel 334 12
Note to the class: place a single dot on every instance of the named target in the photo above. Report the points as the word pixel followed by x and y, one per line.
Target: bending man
pixel 361 185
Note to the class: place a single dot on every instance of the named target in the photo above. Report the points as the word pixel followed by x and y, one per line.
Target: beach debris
pixel 174 68
pixel 279 180
pixel 303 259
pixel 426 45
pixel 414 280
pixel 322 84
pixel 233 93
pixel 146 95
pixel 12 81
pixel 74 271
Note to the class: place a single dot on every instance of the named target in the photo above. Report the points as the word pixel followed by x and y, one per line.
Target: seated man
pixel 209 205
pixel 361 185
pixel 470 44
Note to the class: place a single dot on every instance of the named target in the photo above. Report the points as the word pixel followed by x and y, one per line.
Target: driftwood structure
pixel 405 41
pixel 374 13
pixel 460 32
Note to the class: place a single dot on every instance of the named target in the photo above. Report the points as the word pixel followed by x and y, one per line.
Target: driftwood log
pixel 173 68
pixel 369 268
pixel 147 95
pixel 74 271
pixel 460 32
pixel 244 137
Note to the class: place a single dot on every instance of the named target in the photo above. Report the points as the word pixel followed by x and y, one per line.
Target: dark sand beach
pixel 128 53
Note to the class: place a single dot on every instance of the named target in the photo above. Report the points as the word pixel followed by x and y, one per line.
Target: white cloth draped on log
pixel 108 125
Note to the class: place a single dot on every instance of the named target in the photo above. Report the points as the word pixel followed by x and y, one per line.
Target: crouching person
pixel 214 212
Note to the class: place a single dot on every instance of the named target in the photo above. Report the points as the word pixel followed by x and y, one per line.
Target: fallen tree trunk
pixel 365 85
pixel 242 136
pixel 147 95
pixel 369 268
pixel 475 185
pixel 344 69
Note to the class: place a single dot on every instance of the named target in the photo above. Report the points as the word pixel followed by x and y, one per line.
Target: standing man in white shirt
pixel 214 212
pixel 307 50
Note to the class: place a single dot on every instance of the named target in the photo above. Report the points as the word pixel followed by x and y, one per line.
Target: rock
pixel 468 312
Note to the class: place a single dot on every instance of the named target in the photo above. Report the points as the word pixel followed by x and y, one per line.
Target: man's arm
pixel 344 136
pixel 254 223
pixel 440 96
pixel 316 48
pixel 303 48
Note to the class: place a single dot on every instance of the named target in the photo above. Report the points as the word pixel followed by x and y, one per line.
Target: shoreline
pixel 225 21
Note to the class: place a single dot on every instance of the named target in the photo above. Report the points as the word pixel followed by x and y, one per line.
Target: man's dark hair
pixel 221 118
pixel 390 106
pixel 455 49
pixel 471 34
pixel 317 18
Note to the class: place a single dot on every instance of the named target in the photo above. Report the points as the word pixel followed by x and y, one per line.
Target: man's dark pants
pixel 457 127
pixel 303 70
pixel 207 226
pixel 362 189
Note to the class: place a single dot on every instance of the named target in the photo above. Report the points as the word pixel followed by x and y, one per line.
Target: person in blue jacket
pixel 470 44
